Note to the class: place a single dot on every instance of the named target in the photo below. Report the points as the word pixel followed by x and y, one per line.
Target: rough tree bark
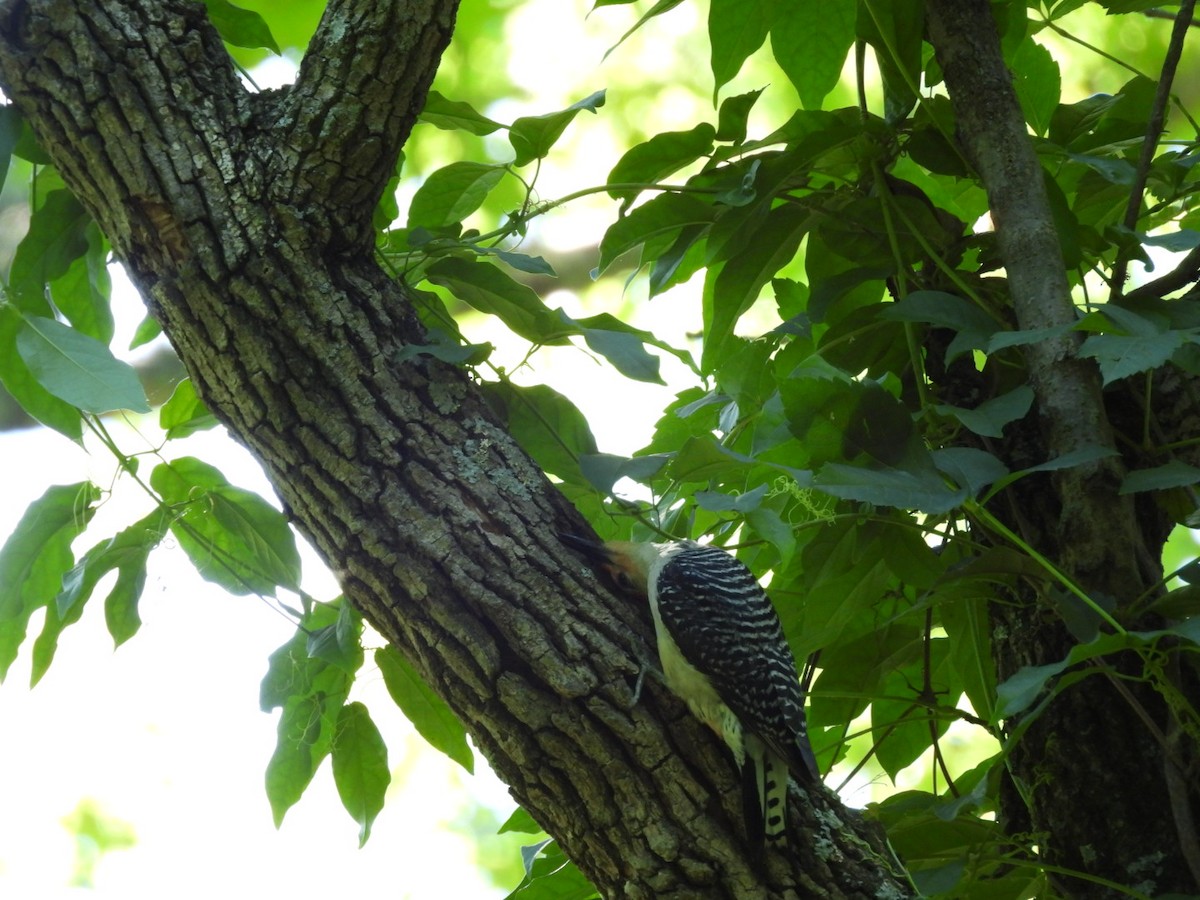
pixel 1105 794
pixel 244 219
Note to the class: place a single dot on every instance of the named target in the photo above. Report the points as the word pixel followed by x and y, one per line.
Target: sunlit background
pixel 140 772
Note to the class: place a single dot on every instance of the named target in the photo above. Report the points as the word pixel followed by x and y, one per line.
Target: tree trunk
pixel 245 220
pixel 1101 776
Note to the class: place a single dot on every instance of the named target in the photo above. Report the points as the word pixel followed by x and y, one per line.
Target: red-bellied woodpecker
pixel 723 653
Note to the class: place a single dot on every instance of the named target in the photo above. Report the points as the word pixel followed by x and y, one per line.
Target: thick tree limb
pixel 244 219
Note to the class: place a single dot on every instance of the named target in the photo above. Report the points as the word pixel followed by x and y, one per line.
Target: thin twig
pixel 1183 275
pixel 1154 130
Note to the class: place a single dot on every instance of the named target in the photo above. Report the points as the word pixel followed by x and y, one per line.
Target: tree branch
pixel 1070 408
pixel 1154 130
pixel 362 83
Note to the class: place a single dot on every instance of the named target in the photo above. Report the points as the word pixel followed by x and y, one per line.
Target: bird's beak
pixel 593 550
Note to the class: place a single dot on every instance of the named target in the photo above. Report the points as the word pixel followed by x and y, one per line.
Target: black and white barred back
pixel 725 626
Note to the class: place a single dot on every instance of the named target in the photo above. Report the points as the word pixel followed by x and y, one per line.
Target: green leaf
pixel 604 470
pixel 360 767
pixel 10 131
pixel 148 329
pixel 492 290
pixel 733 116
pixel 990 416
pixel 737 284
pixel 520 822
pixel 549 875
pixel 548 426
pixel 57 236
pixel 894 29
pixel 83 292
pixel 663 215
pixel 903 489
pixel 185 413
pixel 1169 475
pixel 310 692
pixel 1121 355
pixel 736 28
pixel 810 41
pixel 655 159
pixel 621 345
pixel 340 642
pixel 127 552
pixel 25 389
pixel 427 711
pixel 233 537
pixel 533 136
pixel 452 193
pixel 240 27
pixel 78 369
pixel 452 115
pixel 36 556
pixel 1038 82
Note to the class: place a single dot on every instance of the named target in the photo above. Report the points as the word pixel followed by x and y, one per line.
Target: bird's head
pixel 625 563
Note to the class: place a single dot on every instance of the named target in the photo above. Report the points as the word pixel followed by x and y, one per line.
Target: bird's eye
pixel 624 580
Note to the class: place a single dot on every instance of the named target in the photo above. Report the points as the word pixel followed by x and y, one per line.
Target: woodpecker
pixel 723 653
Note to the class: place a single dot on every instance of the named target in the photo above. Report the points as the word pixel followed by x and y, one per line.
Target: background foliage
pixel 788 236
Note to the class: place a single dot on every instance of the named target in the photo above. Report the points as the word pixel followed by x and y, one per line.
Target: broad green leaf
pixel 548 426
pixel 184 413
pixel 534 265
pixel 1169 475
pixel 604 470
pixel 736 28
pixel 127 552
pixel 660 156
pixel 733 115
pixel 810 41
pixel 665 214
pixel 25 389
pixel 360 766
pixel 78 369
pixel 427 711
pixel 903 489
pixel 310 693
pixel 451 115
pixel 83 292
pixel 990 416
pixel 148 329
pixel 737 284
pixel 549 875
pixel 895 29
pixel 36 556
pixel 533 136
pixel 521 822
pixel 233 537
pixel 57 236
pixel 340 642
pixel 902 727
pixel 657 9
pixel 452 193
pixel 492 290
pixel 1120 356
pixel 240 27
pixel 969 467
pixel 10 131
pixel 621 345
pixel 1037 81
